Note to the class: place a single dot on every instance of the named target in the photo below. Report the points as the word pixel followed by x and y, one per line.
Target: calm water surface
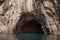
pixel 28 36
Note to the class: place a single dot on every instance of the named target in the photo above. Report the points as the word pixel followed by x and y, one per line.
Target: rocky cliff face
pixel 46 12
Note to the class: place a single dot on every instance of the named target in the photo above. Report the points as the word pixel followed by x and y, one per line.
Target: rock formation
pixel 46 12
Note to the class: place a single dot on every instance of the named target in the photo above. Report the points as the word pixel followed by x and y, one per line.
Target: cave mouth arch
pixel 31 26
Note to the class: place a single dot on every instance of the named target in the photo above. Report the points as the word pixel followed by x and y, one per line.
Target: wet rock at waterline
pixel 45 12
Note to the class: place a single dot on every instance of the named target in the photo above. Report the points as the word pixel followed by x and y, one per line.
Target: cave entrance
pixel 28 24
pixel 31 26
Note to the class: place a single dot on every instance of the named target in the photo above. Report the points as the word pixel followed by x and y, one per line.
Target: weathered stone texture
pixel 46 12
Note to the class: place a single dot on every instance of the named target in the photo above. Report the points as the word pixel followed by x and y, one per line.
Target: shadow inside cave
pixel 31 26
pixel 28 23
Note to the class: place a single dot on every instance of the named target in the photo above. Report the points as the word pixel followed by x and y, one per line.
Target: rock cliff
pixel 16 12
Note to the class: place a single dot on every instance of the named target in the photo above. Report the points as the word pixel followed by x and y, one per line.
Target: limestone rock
pixel 46 12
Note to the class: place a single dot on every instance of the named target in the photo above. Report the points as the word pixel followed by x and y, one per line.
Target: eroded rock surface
pixel 46 12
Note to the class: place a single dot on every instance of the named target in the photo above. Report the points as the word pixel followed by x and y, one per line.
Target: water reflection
pixel 28 36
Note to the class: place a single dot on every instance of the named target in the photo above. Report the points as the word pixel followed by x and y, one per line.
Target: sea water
pixel 28 36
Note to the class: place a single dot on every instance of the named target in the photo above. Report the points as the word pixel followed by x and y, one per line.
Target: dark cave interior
pixel 31 26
